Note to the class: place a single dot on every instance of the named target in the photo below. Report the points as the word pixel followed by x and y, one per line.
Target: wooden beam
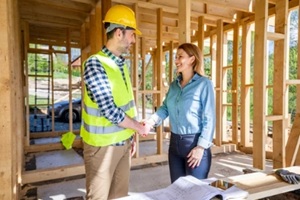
pixel 11 126
pixel 62 4
pixel 159 59
pixel 171 61
pixel 292 145
pixel 184 21
pixel 274 118
pixel 50 147
pixel 37 135
pixel 40 175
pixel 235 81
pixel 40 9
pixel 224 77
pixel 275 36
pixel 298 65
pixel 174 9
pixel 263 184
pixel 200 35
pixel 293 82
pixel 105 6
pixel 219 83
pixel 51 21
pixel 245 5
pixel 91 2
pixel 280 93
pixel 259 90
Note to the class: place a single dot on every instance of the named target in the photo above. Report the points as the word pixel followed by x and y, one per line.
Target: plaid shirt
pixel 98 88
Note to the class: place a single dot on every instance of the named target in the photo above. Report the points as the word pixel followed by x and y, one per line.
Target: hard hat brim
pixel 138 32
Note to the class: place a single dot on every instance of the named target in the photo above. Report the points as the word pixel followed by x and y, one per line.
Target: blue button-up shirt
pixel 190 109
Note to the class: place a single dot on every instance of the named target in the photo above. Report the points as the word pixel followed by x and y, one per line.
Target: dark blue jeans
pixel 180 146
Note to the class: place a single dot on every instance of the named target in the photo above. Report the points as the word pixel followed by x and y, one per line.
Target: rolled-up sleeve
pixel 208 118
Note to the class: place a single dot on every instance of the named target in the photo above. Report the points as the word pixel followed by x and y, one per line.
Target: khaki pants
pixel 107 171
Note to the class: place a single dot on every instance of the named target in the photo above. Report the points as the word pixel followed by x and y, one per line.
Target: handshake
pixel 147 125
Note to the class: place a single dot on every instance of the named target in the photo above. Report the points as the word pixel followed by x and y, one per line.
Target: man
pixel 109 112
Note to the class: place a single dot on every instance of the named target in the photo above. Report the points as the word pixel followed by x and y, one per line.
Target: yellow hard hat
pixel 121 15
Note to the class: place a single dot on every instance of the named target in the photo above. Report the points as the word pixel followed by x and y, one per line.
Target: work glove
pixel 288 176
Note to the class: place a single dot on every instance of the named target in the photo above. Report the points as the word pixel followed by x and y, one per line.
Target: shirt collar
pixel 195 77
pixel 118 60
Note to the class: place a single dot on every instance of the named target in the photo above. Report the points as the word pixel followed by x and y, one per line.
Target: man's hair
pixel 110 34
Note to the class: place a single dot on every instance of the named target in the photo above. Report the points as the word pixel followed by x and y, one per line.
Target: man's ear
pixel 119 32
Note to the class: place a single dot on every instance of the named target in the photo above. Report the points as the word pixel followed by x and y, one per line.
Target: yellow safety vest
pixel 96 130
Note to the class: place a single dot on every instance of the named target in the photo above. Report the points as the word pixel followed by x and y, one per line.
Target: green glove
pixel 67 139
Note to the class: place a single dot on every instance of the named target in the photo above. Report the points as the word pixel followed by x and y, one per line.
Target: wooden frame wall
pixel 92 37
pixel 11 85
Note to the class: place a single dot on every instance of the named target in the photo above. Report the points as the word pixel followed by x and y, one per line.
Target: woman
pixel 190 106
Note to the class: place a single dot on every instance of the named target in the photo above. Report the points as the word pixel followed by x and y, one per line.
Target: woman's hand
pixel 133 147
pixel 195 156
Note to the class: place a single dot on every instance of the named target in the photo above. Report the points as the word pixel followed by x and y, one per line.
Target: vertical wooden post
pixel 99 28
pixel 298 65
pixel 292 147
pixel 280 88
pixel 171 64
pixel 159 55
pixel 224 90
pixel 135 77
pixel 105 6
pixel 25 27
pixel 68 47
pixel 93 34
pixel 245 80
pixel 12 100
pixel 219 84
pixel 235 77
pixel 259 90
pixel 200 35
pixel 213 57
pixel 184 21
pixel 143 76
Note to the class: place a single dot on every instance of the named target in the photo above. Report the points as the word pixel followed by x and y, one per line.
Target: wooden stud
pixel 298 65
pixel 235 77
pixel 223 93
pixel 11 125
pixel 200 35
pixel 279 89
pixel 159 55
pixel 259 105
pixel 219 84
pixel 292 146
pixel 184 21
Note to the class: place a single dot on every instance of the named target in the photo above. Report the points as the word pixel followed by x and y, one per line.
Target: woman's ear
pixel 192 59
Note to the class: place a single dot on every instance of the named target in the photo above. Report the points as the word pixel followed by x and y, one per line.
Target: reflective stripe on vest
pixel 97 130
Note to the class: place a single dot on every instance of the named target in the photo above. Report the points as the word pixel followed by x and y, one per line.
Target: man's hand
pixel 145 128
